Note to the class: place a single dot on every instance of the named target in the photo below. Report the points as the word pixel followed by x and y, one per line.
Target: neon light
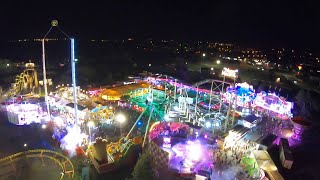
pixel 274 103
pixel 244 91
pixel 229 72
pixel 73 71
pixel 153 125
pixel 24 114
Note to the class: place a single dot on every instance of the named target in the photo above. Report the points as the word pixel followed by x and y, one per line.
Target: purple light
pixel 205 136
pixel 194 150
pixel 273 103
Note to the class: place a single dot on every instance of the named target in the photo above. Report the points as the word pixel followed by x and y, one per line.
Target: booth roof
pixel 265 162
pixel 79 106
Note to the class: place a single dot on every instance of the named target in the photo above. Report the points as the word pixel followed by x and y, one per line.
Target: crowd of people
pixel 231 154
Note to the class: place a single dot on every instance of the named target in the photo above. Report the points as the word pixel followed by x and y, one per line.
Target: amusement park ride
pixel 107 157
pixel 27 80
pixel 26 83
pixel 167 110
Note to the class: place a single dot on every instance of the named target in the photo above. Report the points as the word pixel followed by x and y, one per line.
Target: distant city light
pixel 149 65
pixel 25 145
pixel 218 62
pixel 212 69
pixel 203 54
pixel 8 65
pixel 44 126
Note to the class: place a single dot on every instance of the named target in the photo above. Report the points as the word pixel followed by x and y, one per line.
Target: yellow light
pixel 90 124
pixel 120 118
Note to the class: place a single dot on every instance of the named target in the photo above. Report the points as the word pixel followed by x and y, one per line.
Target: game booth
pixel 24 114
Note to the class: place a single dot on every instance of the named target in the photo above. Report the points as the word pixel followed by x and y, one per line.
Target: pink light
pixel 205 136
pixel 277 105
pixel 194 150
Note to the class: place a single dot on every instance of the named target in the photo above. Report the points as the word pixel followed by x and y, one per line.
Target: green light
pixel 54 22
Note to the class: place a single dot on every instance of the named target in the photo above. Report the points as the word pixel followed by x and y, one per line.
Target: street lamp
pixel 121 119
pixel 25 145
pixel 90 125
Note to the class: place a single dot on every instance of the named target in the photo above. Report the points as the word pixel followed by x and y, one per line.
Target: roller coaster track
pixel 8 165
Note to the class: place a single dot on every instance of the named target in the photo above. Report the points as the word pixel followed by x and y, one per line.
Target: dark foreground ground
pixel 13 138
pixel 306 158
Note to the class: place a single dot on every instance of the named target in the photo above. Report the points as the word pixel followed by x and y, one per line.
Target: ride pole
pixel 196 105
pixel 210 97
pixel 147 128
pixel 234 101
pixel 136 123
pixel 224 79
pixel 45 78
pixel 165 88
pixel 175 89
pixel 73 71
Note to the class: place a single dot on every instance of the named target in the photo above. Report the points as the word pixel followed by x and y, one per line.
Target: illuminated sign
pixel 229 72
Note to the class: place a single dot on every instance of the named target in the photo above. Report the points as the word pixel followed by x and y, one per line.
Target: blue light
pixel 208 124
pixel 73 71
pixel 139 123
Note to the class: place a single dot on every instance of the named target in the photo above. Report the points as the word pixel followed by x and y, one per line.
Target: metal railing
pixel 64 162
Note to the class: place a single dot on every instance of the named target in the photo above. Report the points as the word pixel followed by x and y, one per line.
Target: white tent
pixel 265 163
pixel 63 101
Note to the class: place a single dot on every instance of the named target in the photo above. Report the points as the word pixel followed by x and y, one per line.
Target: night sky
pixel 250 23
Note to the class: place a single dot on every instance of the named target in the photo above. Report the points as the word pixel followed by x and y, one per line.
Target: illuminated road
pixel 300 83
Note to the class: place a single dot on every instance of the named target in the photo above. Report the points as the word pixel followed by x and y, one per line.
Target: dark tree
pixel 142 169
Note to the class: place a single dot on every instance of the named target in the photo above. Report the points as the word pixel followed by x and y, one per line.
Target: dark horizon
pixel 290 24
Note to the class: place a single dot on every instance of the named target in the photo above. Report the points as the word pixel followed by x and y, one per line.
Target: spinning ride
pixel 274 103
pixel 107 156
pixel 101 113
pixel 243 92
